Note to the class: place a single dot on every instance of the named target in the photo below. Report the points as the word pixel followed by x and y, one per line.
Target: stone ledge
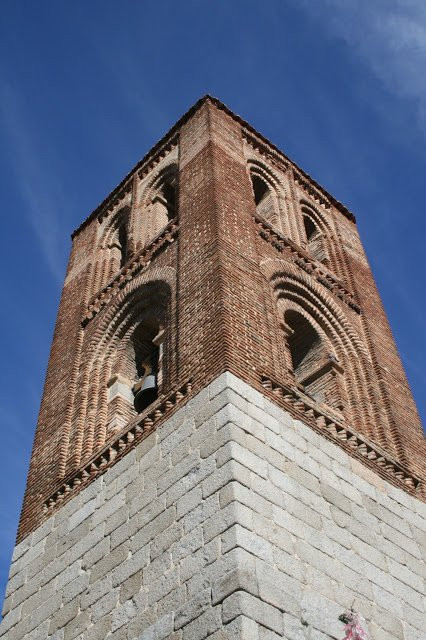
pixel 122 444
pixel 344 436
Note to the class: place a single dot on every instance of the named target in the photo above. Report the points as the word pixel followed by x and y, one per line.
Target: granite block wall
pixel 231 520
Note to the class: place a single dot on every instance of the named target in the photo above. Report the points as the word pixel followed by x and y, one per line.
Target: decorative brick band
pixel 131 269
pixel 342 435
pixel 155 158
pixel 305 262
pixel 114 201
pixel 265 150
pixel 123 442
pixel 314 193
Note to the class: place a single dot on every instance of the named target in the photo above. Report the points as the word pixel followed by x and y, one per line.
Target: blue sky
pixel 86 88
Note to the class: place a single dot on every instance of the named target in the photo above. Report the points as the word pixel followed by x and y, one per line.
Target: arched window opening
pixel 265 200
pixel 116 245
pixel 163 205
pixel 315 240
pixel 310 228
pixel 315 367
pixel 148 351
pixel 138 373
pixel 122 244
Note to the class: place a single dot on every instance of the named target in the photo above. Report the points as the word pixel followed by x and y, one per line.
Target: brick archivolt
pixel 149 295
pixel 297 291
pixel 144 224
pixel 107 252
pixel 279 188
pixel 290 222
pixel 137 214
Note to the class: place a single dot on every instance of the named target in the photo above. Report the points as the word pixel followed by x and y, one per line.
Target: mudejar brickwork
pixel 227 445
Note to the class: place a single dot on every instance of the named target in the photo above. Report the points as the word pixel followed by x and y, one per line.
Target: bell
pixel 147 393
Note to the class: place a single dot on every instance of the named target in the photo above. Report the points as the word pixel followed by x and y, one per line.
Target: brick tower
pixel 227 445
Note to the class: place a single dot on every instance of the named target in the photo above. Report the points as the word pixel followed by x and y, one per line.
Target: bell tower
pixel 227 445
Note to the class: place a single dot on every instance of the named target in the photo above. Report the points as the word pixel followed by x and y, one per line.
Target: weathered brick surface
pixel 252 539
pixel 222 282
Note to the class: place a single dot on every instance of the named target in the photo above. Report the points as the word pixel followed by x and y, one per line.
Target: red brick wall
pixel 229 280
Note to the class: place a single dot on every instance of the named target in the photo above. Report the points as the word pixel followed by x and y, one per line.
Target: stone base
pixel 232 520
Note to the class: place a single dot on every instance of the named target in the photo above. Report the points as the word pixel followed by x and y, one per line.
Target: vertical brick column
pixel 221 298
pixel 405 431
pixel 55 411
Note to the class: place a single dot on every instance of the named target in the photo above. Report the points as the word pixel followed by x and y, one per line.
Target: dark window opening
pixel 169 194
pixel 316 370
pixel 304 344
pixel 310 228
pixel 315 241
pixel 122 242
pixel 147 359
pixel 264 199
pixel 260 189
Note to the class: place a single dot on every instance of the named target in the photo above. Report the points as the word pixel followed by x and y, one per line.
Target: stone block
pixel 75 588
pixel 9 621
pixel 238 536
pixel 109 562
pixel 205 510
pixel 234 491
pixel 152 525
pixel 242 628
pixel 234 451
pixel 197 474
pixel 136 562
pixel 204 626
pixel 77 626
pixel 96 591
pixel 232 470
pixel 162 586
pixel 187 544
pixel 130 587
pixel 238 579
pixel 321 613
pixel 38 598
pixel 278 589
pixel 165 540
pixel 122 614
pixel 226 518
pixel 177 472
pixel 192 609
pixel 103 513
pixel 81 514
pixel 289 564
pixel 176 437
pixel 63 615
pixel 104 605
pixel 188 502
pixel 336 498
pixel 242 603
pixel 157 567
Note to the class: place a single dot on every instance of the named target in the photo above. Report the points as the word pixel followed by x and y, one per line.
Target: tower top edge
pixel 174 130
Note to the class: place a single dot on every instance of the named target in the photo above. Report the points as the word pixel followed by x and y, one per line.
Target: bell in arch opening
pixel 148 355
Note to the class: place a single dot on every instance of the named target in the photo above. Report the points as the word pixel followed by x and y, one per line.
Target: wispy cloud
pixel 389 36
pixel 40 190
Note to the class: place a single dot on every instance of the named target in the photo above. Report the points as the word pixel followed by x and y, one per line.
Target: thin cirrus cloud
pixel 40 188
pixel 388 36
